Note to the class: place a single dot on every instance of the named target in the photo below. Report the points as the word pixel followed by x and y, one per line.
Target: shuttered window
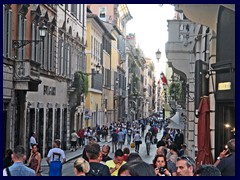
pixel 7 32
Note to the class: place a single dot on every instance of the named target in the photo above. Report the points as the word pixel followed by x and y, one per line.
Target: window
pixel 66 5
pixel 107 78
pixel 68 60
pixel 35 53
pixel 51 49
pixel 102 13
pixel 74 10
pixel 21 35
pixel 60 56
pixel 80 11
pixel 7 33
pixel 91 46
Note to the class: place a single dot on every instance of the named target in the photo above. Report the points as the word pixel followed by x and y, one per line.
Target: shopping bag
pixel 132 145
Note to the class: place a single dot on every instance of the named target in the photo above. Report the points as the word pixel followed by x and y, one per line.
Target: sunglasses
pixel 189 161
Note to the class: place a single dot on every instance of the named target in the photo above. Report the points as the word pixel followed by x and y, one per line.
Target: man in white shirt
pixel 55 158
pixel 32 140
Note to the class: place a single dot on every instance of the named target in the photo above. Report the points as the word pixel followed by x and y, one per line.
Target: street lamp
pixel 158 54
pixel 21 43
pixel 98 67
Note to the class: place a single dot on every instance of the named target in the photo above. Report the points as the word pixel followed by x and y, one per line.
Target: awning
pixel 175 118
pixel 176 122
pixel 173 125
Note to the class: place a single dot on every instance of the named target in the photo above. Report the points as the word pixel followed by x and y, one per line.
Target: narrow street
pixel 68 167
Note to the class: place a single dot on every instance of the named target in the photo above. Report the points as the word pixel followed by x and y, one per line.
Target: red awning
pixel 204 140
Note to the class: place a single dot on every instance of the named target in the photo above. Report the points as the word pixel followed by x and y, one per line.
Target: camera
pixel 161 170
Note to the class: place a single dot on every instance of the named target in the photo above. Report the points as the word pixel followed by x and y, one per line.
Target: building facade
pixel 42 71
pixel 205 69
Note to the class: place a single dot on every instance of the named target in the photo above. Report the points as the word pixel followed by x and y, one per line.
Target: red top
pixel 125 157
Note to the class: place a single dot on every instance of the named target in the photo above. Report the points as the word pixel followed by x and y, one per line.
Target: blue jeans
pixel 129 139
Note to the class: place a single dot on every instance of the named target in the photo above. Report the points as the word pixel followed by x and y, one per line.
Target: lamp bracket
pixel 89 74
pixel 21 43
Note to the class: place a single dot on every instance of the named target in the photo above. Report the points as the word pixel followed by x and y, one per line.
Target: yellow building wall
pixel 94 99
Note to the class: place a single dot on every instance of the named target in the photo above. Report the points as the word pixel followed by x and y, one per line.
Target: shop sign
pixel 224 86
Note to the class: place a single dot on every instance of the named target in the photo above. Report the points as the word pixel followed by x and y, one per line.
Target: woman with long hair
pixel 160 165
pixel 34 161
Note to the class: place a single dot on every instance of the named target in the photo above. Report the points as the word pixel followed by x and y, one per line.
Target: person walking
pixel 81 140
pixel 142 128
pixel 120 139
pixel 32 140
pixel 74 138
pixel 18 168
pixel 148 142
pixel 129 135
pixel 105 131
pixel 55 158
pixel 137 139
pixel 114 136
pixel 34 161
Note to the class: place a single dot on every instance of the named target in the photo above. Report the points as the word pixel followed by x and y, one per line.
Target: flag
pixel 164 79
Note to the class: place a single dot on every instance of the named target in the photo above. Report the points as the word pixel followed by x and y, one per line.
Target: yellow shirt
pixel 111 165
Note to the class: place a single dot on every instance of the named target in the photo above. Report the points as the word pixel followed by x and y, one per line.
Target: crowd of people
pixel 171 157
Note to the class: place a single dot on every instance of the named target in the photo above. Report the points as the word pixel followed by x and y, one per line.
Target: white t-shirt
pixel 32 141
pixel 74 136
pixel 58 154
pixel 5 172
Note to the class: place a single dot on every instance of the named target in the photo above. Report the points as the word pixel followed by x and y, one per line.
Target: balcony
pixel 27 75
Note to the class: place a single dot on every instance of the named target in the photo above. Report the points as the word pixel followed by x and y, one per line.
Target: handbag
pixel 132 145
pixel 140 142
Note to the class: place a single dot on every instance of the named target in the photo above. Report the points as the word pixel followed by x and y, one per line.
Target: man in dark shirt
pixel 105 152
pixel 226 160
pixel 114 136
pixel 96 168
pixel 178 139
pixel 129 134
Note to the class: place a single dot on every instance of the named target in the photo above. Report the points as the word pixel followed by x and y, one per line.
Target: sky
pixel 149 24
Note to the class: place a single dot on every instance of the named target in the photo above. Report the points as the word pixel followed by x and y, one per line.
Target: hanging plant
pixel 175 89
pixel 80 83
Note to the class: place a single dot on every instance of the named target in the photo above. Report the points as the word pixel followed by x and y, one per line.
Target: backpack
pixel 95 172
